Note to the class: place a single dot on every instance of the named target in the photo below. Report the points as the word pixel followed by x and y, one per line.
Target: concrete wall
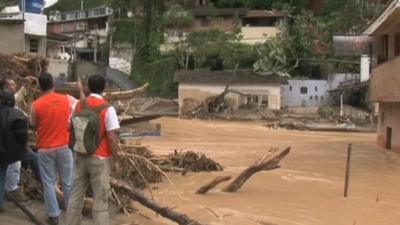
pixel 58 67
pixel 226 24
pixel 317 93
pixel 192 95
pixel 389 117
pixel 84 69
pixel 254 35
pixel 12 38
pixel 317 90
pixel 385 82
pixel 42 44
pixel 121 59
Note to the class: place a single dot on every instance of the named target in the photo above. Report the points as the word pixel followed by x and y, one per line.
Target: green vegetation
pixel 160 75
pixel 126 30
pixel 303 49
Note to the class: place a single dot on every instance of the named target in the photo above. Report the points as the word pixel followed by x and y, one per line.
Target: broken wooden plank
pixel 268 162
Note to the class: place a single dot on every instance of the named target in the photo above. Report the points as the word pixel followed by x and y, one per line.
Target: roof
pixel 219 12
pixel 263 13
pixel 381 18
pixel 223 77
pixel 350 86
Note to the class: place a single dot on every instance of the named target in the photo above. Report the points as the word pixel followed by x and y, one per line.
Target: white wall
pixel 317 90
pixel 57 67
pixel 317 93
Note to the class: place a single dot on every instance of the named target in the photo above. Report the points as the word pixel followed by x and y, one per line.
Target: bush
pixel 326 112
pixel 160 75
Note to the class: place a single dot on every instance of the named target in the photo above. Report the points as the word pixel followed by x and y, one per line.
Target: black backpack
pixel 13 135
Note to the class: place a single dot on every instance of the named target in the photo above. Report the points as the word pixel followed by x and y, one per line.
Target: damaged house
pixel 248 89
pixel 385 82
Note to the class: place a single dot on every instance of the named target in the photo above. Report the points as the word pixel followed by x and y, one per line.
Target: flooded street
pixel 307 190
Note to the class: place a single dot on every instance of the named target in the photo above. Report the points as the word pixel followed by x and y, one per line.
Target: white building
pixel 313 92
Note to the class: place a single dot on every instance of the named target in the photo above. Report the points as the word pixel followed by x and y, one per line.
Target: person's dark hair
pixel 46 81
pixel 7 98
pixel 97 84
pixel 3 82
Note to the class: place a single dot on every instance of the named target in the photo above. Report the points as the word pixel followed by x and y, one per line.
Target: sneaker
pixel 52 220
pixel 19 196
pixel 2 209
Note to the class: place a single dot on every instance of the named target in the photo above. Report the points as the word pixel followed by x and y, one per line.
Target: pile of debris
pixel 19 66
pixel 192 161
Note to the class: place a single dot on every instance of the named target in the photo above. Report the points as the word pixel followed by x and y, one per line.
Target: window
pixel 34 45
pixel 397 44
pixel 311 97
pixel 316 97
pixel 316 88
pixel 290 88
pixel 303 90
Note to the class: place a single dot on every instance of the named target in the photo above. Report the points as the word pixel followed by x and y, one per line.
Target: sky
pixel 50 2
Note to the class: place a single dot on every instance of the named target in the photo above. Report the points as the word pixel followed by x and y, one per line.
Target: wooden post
pixel 348 170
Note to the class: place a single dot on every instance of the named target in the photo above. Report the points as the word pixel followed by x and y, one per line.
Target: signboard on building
pixel 351 45
pixel 33 6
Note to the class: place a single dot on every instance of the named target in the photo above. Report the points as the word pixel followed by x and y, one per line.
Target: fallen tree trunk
pixel 212 184
pixel 33 218
pixel 120 95
pixel 166 212
pixel 268 162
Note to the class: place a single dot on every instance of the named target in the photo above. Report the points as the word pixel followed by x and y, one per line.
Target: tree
pixel 275 57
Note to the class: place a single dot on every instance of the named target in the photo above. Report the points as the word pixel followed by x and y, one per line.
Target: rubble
pixel 19 66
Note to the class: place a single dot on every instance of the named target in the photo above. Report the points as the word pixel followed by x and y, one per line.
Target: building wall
pixel 316 95
pixel 41 48
pixel 12 38
pixel 226 24
pixel 385 82
pixel 389 117
pixel 253 35
pixel 192 95
pixel 58 67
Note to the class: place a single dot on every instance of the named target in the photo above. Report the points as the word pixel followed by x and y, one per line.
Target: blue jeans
pixel 3 171
pixel 14 170
pixel 52 163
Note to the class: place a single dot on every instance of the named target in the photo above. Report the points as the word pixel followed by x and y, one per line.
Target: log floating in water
pixel 212 184
pixel 166 212
pixel 268 162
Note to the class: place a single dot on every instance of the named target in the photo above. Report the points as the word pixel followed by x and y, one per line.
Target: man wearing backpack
pixel 95 144
pixel 50 114
pixel 13 138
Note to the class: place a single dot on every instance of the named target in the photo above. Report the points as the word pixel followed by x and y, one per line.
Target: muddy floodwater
pixel 307 190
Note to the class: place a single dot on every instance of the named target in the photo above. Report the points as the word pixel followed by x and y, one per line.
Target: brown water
pixel 307 190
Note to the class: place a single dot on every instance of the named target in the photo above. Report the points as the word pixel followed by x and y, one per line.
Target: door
pixel 389 138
